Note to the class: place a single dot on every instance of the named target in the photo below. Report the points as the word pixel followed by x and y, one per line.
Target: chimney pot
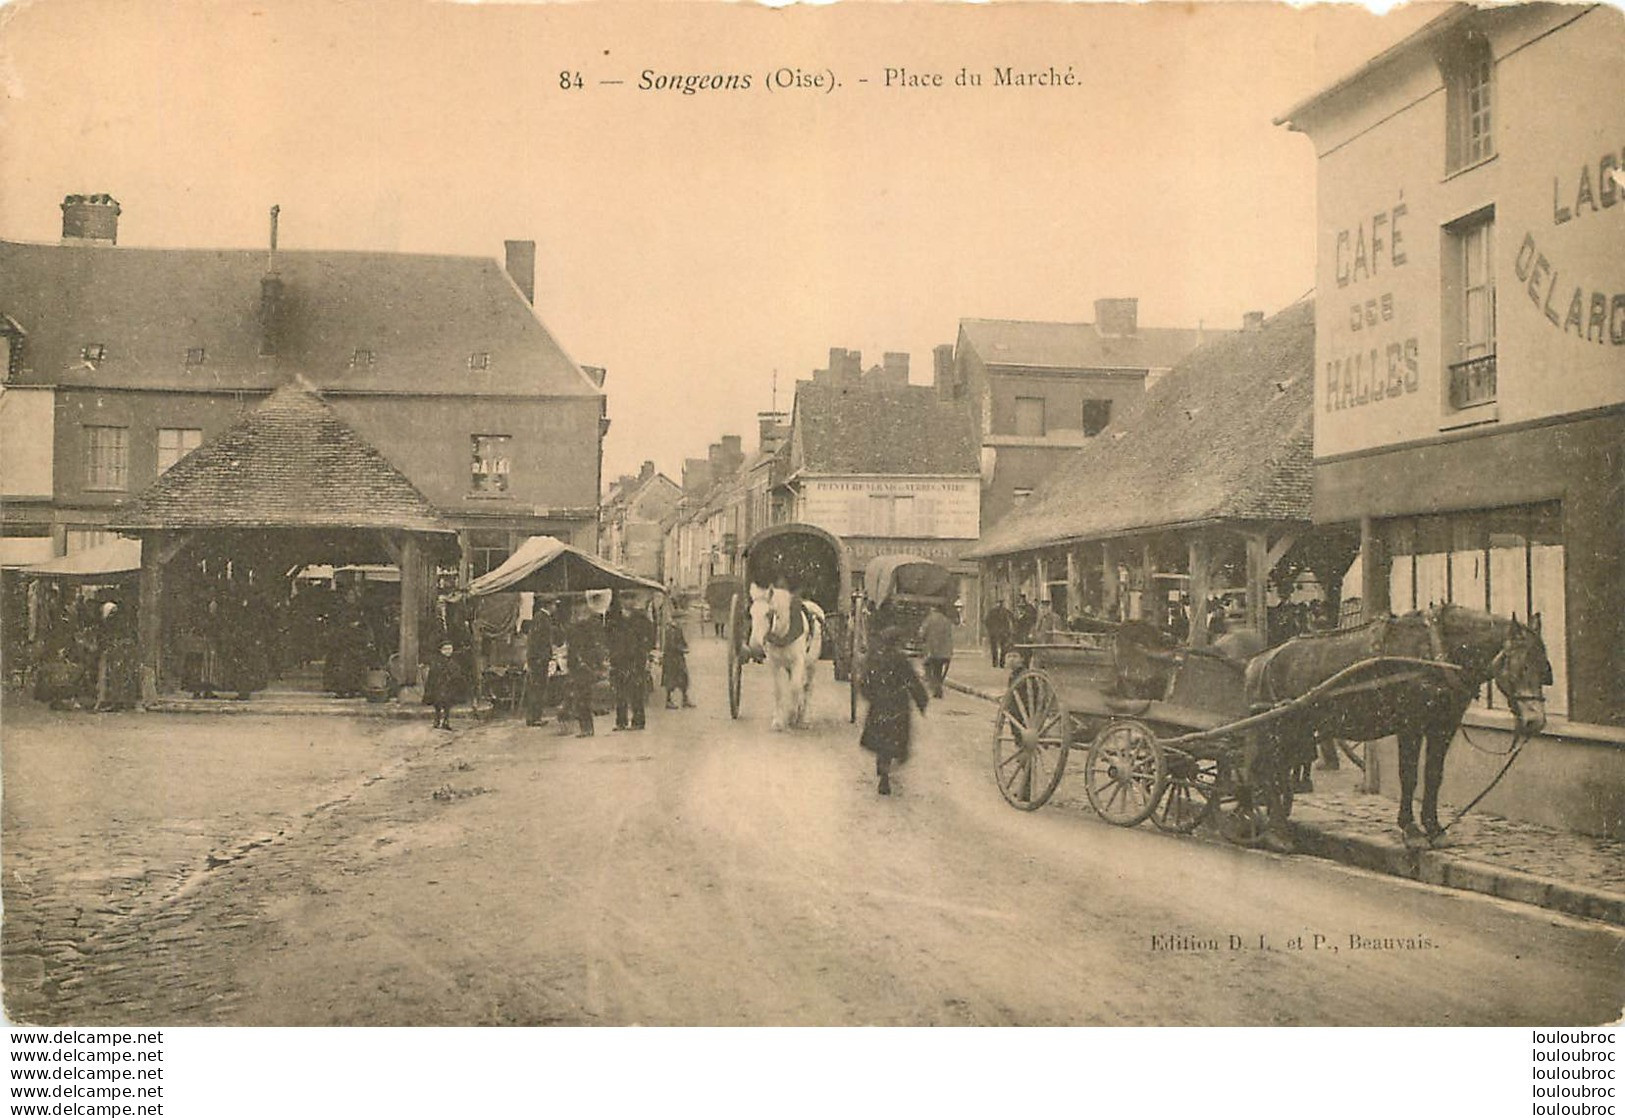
pixel 520 260
pixel 90 219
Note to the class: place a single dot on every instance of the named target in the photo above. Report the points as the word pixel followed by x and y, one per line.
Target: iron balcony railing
pixel 1472 382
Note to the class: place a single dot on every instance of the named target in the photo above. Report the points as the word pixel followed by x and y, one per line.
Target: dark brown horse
pixel 1410 701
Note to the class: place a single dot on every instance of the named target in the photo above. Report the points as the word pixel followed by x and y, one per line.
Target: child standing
pixel 674 664
pixel 889 683
pixel 445 686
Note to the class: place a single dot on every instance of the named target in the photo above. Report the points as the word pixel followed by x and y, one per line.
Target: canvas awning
pixel 118 559
pixel 544 565
pixel 909 576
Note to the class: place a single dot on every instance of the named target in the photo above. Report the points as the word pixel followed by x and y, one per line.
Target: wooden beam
pixel 1074 584
pixel 414 580
pixel 1148 582
pixel 391 547
pixel 149 619
pixel 1258 572
pixel 1374 601
pixel 1111 591
pixel 1279 550
pixel 1200 559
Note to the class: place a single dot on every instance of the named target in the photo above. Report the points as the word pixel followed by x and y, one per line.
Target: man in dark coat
pixel 631 639
pixel 674 663
pixel 1025 621
pixel 538 659
pixel 937 635
pixel 586 665
pixel 889 684
pixel 999 623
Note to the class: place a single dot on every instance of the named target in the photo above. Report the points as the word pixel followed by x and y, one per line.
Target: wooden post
pixel 149 622
pixel 1041 567
pixel 414 576
pixel 1374 601
pixel 1200 556
pixel 1111 593
pixel 1258 572
pixel 1148 583
pixel 1074 584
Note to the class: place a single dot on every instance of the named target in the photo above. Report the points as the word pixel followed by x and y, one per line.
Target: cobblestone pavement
pixel 333 871
pixel 1573 859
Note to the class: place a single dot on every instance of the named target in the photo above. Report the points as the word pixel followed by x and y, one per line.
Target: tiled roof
pixel 289 463
pixel 420 318
pixel 1079 345
pixel 1225 436
pixel 895 431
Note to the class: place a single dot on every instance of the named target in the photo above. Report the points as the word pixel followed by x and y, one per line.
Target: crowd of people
pixel 85 654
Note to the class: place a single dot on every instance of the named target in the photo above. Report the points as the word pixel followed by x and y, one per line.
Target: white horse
pixel 789 634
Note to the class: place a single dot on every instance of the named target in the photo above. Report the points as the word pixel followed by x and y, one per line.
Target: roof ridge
pixel 126 250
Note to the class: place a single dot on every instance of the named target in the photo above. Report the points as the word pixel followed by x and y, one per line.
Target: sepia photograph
pixel 712 515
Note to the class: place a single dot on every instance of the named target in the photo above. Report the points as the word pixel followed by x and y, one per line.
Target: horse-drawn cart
pixel 1166 729
pixel 814 565
pixel 900 591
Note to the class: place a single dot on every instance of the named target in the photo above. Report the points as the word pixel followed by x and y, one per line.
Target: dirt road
pixel 710 872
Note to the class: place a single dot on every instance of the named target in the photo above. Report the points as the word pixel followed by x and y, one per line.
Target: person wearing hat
pixel 889 684
pixel 538 659
pixel 631 638
pixel 586 664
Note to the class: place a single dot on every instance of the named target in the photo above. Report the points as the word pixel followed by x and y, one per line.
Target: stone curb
pixel 1324 838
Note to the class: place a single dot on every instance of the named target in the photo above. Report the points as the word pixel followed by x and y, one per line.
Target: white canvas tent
pixel 545 565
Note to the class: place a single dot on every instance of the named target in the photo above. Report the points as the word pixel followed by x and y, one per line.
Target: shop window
pixel 1030 416
pixel 1096 414
pixel 107 458
pixel 1508 561
pixel 490 465
pixel 175 443
pixel 1469 73
pixel 1469 268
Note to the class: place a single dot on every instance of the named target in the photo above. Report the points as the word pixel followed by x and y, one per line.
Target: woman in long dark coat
pixel 889 684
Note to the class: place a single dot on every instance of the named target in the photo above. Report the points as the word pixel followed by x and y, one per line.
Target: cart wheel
pixel 1030 742
pixel 1192 793
pixel 1126 773
pixel 735 667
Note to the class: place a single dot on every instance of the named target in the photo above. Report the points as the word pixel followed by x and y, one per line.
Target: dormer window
pixel 93 354
pixel 196 355
pixel 479 360
pixel 1469 75
pixel 361 359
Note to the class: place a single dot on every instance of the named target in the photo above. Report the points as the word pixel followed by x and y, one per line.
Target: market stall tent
pixel 545 565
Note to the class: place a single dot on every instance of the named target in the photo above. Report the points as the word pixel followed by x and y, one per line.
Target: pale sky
pixel 695 244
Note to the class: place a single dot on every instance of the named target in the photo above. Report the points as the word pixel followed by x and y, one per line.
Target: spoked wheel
pixel 1192 793
pixel 735 667
pixel 1126 773
pixel 1029 742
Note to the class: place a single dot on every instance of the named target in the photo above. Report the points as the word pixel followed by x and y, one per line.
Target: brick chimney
pixel 647 472
pixel 1252 320
pixel 1117 318
pixel 521 267
pixel 943 374
pixel 772 428
pixel 90 219
pixel 896 369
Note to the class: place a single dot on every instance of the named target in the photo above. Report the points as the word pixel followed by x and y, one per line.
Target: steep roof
pixel 1079 345
pixel 895 431
pixel 289 463
pixel 420 317
pixel 1225 436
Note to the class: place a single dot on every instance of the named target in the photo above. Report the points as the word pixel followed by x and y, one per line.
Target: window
pixel 107 453
pixel 479 360
pixel 196 355
pixel 486 552
pixel 93 353
pixel 1096 414
pixel 490 468
pixel 1469 95
pixel 1030 415
pixel 1470 279
pixel 361 359
pixel 83 539
pixel 1506 560
pixel 175 443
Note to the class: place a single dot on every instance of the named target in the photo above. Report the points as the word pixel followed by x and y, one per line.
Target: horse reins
pixel 1519 738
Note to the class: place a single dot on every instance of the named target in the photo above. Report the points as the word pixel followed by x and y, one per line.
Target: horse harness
pixel 800 623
